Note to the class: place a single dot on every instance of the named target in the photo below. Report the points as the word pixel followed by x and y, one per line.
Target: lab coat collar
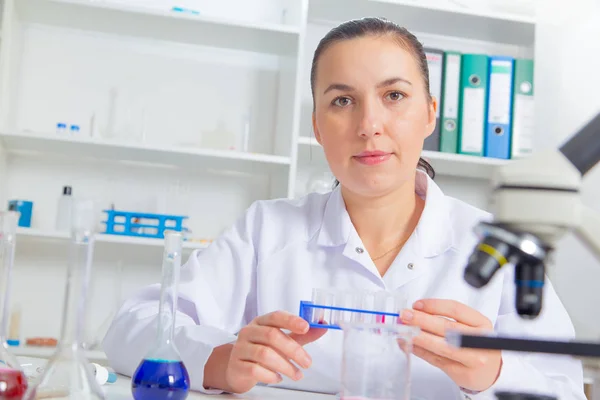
pixel 434 230
pixel 336 225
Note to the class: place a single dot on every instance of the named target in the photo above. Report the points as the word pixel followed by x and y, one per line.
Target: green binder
pixel 451 95
pixel 473 103
pixel 523 109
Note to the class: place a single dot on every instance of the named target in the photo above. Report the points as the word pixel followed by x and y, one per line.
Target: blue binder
pixel 499 112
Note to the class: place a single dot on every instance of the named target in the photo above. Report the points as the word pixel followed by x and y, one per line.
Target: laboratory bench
pixel 121 390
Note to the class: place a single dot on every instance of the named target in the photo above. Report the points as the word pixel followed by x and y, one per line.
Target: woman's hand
pixel 262 352
pixel 469 368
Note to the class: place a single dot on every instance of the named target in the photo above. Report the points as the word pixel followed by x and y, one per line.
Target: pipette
pixel 13 382
pixel 68 374
pixel 162 374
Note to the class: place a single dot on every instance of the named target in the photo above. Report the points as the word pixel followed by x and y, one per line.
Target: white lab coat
pixel 279 250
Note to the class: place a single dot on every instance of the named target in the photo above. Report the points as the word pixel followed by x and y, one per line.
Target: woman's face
pixel 372 113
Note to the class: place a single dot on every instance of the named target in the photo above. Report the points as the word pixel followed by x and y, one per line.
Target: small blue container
pixel 25 208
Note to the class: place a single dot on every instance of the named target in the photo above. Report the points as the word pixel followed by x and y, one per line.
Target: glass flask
pixel 376 361
pixel 162 374
pixel 68 374
pixel 13 382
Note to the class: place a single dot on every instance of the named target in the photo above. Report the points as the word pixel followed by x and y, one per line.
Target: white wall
pixel 567 85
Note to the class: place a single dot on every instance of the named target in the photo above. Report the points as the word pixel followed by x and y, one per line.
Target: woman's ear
pixel 315 129
pixel 432 120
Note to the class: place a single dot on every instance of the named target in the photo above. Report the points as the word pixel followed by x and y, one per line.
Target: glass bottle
pixel 68 374
pixel 13 381
pixel 162 374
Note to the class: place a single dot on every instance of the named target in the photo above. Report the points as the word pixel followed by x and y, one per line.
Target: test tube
pixel 367 304
pixel 345 299
pixel 389 302
pixel 322 297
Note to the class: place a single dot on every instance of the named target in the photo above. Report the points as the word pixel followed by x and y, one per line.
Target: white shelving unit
pixel 115 241
pixel 114 151
pixel 182 89
pixel 163 24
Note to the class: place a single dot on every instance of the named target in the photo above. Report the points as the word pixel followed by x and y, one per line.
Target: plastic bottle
pixel 65 206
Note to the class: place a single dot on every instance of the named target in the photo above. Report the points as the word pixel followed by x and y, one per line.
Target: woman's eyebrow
pixel 391 81
pixel 347 88
pixel 339 86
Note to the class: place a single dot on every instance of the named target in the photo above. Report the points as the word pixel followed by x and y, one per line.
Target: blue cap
pixel 61 125
pixel 74 127
pixel 112 377
pixel 13 342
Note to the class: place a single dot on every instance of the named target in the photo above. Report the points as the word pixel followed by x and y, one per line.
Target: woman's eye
pixel 395 96
pixel 341 101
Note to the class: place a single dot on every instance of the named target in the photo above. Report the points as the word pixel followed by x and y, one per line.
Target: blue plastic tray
pixel 307 308
pixel 126 223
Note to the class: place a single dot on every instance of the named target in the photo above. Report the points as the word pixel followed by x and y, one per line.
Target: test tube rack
pixel 329 317
pixel 142 224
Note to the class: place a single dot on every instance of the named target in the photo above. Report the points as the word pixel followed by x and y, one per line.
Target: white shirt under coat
pixel 279 250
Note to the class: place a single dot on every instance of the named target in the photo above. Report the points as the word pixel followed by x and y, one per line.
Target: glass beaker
pixel 162 374
pixel 68 374
pixel 376 361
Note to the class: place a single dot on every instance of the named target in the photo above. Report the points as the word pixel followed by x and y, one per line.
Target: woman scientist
pixel 386 226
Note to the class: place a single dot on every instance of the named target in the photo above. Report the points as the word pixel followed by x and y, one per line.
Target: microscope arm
pixel 588 231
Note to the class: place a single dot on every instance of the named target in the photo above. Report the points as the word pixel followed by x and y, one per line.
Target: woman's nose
pixel 370 121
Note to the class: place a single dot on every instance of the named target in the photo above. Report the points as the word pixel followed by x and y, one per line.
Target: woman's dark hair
pixel 375 27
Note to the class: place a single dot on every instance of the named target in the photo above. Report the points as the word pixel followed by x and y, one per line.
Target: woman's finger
pixel 270 359
pixel 258 373
pixel 282 343
pixel 453 309
pixel 438 346
pixel 434 323
pixel 283 320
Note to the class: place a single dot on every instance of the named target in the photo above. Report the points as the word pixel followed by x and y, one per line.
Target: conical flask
pixel 13 382
pixel 162 374
pixel 68 374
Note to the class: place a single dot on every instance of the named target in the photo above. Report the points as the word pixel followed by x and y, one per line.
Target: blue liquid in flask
pixel 161 375
pixel 159 380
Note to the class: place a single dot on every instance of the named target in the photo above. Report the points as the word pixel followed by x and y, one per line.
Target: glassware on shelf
pixel 162 374
pixel 13 382
pixel 68 374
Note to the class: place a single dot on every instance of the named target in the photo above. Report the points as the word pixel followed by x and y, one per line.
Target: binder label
pixel 523 125
pixel 434 62
pixel 500 93
pixel 452 86
pixel 473 117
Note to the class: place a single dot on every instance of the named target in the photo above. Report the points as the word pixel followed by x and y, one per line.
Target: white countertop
pixel 121 390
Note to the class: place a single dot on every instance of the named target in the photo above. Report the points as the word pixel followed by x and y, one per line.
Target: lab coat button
pixel 360 250
pixel 410 266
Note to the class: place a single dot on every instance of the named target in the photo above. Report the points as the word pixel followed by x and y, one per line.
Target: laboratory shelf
pixel 120 18
pixel 111 150
pixel 466 20
pixel 458 165
pixel 37 234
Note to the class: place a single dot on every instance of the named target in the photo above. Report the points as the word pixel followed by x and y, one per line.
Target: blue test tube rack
pixel 307 309
pixel 127 224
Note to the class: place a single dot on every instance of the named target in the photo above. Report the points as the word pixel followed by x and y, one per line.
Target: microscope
pixel 536 202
